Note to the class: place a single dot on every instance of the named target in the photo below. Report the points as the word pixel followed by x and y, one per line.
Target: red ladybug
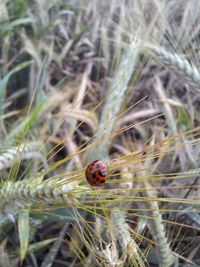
pixel 96 173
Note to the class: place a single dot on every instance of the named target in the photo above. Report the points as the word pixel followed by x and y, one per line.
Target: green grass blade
pixel 4 81
pixel 48 260
pixel 7 27
pixel 39 245
pixel 23 228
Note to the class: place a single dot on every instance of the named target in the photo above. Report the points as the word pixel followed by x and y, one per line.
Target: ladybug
pixel 96 173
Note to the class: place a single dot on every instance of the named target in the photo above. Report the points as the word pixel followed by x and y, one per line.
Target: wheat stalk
pixel 158 230
pixel 23 151
pixel 122 231
pixel 115 101
pixel 176 63
pixel 32 192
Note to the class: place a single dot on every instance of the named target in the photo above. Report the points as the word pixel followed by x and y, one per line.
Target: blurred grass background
pixel 110 80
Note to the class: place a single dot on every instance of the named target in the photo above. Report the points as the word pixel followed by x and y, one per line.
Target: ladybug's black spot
pixel 100 173
pixel 97 179
pixel 94 176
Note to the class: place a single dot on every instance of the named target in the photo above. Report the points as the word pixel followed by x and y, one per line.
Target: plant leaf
pixel 4 81
pixel 39 245
pixel 7 27
pixel 23 229
pixel 49 259
pixel 183 117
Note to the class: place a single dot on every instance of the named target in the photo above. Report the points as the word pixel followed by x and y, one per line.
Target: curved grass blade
pixel 4 81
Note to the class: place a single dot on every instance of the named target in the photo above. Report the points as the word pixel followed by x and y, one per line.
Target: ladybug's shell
pixel 96 173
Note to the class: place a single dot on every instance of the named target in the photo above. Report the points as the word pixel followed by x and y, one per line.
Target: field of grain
pixel 114 81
